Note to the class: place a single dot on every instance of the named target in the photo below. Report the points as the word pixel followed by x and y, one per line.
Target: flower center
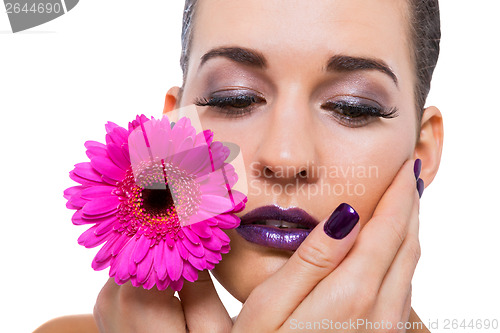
pixel 155 195
pixel 157 201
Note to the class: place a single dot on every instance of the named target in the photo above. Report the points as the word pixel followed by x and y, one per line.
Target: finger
pixel 396 284
pixel 382 236
pixel 203 309
pixel 276 298
pixel 134 309
pixel 407 308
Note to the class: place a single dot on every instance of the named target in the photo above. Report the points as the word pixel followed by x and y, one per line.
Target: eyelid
pixel 226 103
pixel 357 100
pixel 357 114
pixel 239 90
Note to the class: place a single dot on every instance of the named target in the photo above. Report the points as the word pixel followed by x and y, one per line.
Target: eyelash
pixel 224 104
pixel 350 114
pixel 355 115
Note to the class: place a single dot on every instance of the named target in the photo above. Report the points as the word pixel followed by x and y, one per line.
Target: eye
pixel 356 114
pixel 232 106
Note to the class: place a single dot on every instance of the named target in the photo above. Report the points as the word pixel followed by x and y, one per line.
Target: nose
pixel 287 149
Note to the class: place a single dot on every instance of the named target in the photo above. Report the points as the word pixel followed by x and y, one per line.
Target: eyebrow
pixel 342 63
pixel 238 54
pixel 339 63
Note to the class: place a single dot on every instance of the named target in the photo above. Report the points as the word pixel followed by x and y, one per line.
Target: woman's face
pixel 313 67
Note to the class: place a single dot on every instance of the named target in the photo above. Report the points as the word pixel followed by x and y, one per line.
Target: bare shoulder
pixel 86 324
pixel 418 326
pixel 69 324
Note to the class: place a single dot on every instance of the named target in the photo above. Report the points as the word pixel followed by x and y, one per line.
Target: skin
pixel 291 129
pixel 293 97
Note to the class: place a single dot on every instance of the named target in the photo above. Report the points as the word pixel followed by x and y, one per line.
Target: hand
pixel 125 308
pixel 366 275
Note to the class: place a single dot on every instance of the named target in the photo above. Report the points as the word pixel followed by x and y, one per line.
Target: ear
pixel 430 144
pixel 172 99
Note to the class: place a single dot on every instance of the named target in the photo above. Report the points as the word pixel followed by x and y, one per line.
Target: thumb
pixel 320 253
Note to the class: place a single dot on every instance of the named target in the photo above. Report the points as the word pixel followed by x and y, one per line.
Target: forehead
pixel 304 29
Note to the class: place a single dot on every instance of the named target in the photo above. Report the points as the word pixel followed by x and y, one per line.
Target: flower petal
pixel 150 282
pixel 162 284
pixel 105 227
pixel 116 154
pixel 225 249
pixel 98 216
pixel 142 248
pixel 109 180
pixel 183 252
pixel 177 285
pixel 174 262
pixel 189 273
pixel 120 243
pixel 90 239
pixel 212 256
pixel 97 192
pixel 201 229
pixel 107 168
pixel 101 205
pixel 121 265
pixel 94 150
pixel 110 126
pixel 198 263
pixel 77 201
pixel 103 257
pixel 221 235
pixel 215 204
pixel 70 191
pixel 227 221
pixel 98 219
pixel 200 216
pixel 86 171
pixel 138 149
pixel 195 250
pixel 160 263
pixel 212 243
pixel 116 134
pixel 196 161
pixel 82 180
pixel 91 143
pixel 77 218
pixel 144 268
pixel 191 235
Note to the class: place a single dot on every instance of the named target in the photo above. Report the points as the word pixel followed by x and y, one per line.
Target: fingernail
pixel 417 167
pixel 420 187
pixel 341 222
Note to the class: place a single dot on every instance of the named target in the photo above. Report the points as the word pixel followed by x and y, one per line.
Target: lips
pixel 276 227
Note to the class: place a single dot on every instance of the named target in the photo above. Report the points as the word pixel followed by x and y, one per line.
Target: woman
pixel 326 100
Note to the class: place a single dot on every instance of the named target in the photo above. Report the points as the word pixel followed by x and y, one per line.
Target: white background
pixel 110 60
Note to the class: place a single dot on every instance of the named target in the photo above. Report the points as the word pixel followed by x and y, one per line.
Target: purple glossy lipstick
pixel 276 227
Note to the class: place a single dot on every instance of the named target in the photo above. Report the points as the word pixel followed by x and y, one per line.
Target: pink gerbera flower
pixel 157 195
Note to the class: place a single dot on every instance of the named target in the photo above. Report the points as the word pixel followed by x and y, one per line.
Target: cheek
pixel 364 164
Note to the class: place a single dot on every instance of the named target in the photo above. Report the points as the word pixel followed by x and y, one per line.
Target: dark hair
pixel 425 35
pixel 424 32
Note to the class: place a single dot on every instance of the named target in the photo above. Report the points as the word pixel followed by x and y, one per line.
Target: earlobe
pixel 430 145
pixel 171 99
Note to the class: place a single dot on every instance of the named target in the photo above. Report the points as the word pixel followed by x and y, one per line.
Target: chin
pixel 247 265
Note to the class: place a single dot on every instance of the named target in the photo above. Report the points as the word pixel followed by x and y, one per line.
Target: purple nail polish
pixel 417 167
pixel 420 187
pixel 341 222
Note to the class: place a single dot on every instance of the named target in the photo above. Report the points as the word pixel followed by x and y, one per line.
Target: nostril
pixel 267 172
pixel 303 174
